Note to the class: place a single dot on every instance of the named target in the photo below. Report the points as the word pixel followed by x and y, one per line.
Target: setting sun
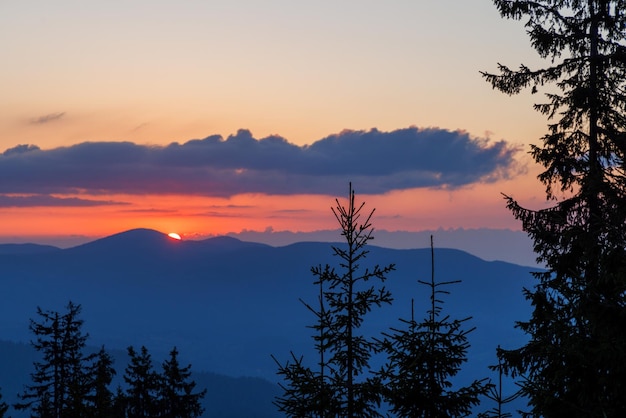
pixel 174 235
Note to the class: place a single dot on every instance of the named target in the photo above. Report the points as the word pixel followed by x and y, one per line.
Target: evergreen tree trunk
pixel 350 308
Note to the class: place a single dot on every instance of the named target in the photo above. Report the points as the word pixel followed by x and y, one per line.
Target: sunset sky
pixel 206 117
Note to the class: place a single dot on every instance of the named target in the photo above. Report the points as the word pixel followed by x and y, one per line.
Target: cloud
pixel 374 161
pixel 20 149
pixel 7 201
pixel 139 127
pixel 151 210
pixel 51 117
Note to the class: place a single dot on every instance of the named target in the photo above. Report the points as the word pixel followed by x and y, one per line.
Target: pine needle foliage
pixel 424 357
pixel 574 363
pixel 342 384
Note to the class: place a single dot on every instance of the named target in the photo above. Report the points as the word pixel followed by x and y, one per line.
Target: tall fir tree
pixel 424 357
pixel 177 398
pixel 60 381
pixel 574 363
pixel 141 397
pixel 341 385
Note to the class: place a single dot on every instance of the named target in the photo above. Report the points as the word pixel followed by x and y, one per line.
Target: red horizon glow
pixel 478 206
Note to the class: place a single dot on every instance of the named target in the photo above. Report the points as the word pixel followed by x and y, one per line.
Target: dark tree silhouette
pixel 119 403
pixel 141 397
pixel 309 393
pixel 306 393
pixel 101 399
pixel 495 394
pixel 60 381
pixel 424 357
pixel 3 407
pixel 574 363
pixel 176 391
pixel 341 385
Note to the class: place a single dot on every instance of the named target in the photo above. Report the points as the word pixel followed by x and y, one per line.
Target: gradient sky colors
pixel 206 117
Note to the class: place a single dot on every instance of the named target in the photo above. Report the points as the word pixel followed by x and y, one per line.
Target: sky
pixel 209 117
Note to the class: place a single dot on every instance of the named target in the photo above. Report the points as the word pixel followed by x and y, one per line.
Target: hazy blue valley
pixel 228 305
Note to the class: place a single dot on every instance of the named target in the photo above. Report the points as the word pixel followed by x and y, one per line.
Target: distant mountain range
pixel 228 304
pixel 487 243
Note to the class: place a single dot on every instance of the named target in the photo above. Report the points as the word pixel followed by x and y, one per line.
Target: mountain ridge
pixel 509 245
pixel 26 248
pixel 228 305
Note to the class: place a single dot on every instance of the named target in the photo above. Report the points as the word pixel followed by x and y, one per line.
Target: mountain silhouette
pixel 228 304
pixel 26 249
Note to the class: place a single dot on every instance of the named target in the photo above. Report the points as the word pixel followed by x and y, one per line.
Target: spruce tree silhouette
pixel 424 357
pixel 574 363
pixel 141 397
pixel 61 382
pixel 101 399
pixel 177 398
pixel 341 385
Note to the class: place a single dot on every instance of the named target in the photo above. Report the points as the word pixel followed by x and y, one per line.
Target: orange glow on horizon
pixel 196 217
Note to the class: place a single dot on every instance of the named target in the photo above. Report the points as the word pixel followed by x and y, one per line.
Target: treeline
pixel 68 382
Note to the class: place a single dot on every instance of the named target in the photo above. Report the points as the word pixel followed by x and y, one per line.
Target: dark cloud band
pixel 51 201
pixel 375 161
